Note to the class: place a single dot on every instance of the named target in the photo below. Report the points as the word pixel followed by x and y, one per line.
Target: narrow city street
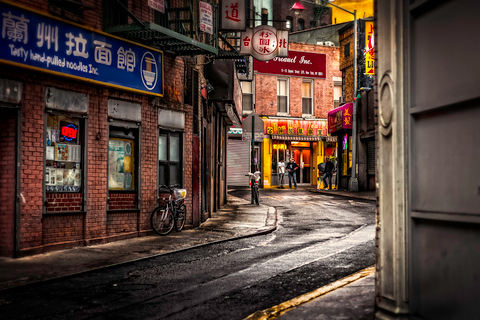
pixel 320 238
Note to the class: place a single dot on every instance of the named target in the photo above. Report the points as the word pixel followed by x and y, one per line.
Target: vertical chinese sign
pixel 233 15
pixel 369 48
pixel 206 17
pixel 39 42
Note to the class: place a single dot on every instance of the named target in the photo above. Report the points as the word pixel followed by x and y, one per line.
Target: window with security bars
pixel 247 95
pixel 307 100
pixel 282 96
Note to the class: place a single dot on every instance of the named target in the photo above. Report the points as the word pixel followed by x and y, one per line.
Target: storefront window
pixel 170 158
pixel 63 154
pixel 121 160
pixel 279 153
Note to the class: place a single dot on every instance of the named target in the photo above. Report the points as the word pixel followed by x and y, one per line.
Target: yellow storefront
pixel 304 140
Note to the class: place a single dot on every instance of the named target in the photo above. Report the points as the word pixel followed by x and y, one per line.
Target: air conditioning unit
pixel 341 100
pixel 329 43
pixel 320 43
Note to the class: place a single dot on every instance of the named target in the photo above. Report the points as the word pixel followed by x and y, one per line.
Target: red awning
pixel 340 118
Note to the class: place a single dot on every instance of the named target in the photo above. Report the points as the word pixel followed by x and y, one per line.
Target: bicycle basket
pixel 180 193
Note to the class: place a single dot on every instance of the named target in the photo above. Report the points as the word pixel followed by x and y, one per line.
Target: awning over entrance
pixel 295 137
pixel 340 118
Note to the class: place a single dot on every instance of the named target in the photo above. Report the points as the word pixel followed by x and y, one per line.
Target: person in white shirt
pixel 281 173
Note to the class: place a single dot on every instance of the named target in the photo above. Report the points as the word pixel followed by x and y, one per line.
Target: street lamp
pixel 353 183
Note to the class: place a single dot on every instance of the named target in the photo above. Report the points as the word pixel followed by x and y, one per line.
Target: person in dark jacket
pixel 291 168
pixel 329 167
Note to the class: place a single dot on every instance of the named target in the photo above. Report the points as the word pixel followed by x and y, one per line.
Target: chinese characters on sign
pixel 369 49
pixel 301 64
pixel 340 118
pixel 264 43
pixel 34 40
pixel 295 127
pixel 232 15
pixel 206 17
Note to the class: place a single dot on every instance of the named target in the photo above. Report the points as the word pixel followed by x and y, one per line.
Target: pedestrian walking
pixel 329 167
pixel 291 168
pixel 281 173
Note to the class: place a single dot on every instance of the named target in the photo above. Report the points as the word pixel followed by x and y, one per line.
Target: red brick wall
pixel 266 86
pixel 121 223
pixel 31 194
pixel 62 229
pixel 7 180
pixel 39 230
pixel 122 201
pixel 64 202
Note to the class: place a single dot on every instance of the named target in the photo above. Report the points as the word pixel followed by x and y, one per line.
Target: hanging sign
pixel 340 118
pixel 264 42
pixel 369 48
pixel 42 43
pixel 206 17
pixel 233 15
pixel 300 64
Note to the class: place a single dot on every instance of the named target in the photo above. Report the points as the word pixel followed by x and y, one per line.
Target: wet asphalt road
pixel 320 239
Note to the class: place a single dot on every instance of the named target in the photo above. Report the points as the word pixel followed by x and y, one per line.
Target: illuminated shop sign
pixel 42 43
pixel 279 146
pixel 68 132
pixel 340 118
pixel 295 127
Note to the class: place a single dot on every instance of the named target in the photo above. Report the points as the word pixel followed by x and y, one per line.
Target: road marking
pixel 278 310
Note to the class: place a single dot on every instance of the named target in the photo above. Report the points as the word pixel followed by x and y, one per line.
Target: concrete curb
pixel 278 310
pixel 254 234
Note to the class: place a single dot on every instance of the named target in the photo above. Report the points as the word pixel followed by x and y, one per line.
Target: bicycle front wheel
pixel 180 218
pixel 162 220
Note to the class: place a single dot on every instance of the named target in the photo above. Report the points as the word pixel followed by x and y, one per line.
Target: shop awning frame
pixel 295 137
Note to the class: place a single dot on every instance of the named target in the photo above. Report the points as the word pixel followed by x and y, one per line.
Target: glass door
pixel 303 160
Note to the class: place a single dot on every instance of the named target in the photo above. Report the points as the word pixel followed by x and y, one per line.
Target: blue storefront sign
pixel 42 43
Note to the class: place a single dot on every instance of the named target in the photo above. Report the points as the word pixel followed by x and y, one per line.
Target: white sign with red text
pixel 232 15
pixel 206 17
pixel 264 43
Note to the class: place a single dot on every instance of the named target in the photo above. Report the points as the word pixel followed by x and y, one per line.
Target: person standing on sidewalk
pixel 329 167
pixel 291 168
pixel 281 173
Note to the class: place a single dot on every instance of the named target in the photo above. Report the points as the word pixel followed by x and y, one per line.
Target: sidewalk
pixel 352 297
pixel 236 220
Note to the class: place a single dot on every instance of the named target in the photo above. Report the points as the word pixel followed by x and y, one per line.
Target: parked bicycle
pixel 171 213
pixel 254 179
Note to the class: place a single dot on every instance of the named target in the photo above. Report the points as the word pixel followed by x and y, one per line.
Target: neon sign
pixel 345 142
pixel 280 146
pixel 68 131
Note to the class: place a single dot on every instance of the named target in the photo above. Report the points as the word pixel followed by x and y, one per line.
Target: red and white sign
pixel 233 15
pixel 299 64
pixel 264 43
pixel 340 118
pixel 206 17
pixel 158 5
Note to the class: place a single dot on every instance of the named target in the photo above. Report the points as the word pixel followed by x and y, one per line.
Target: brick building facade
pixel 97 182
pixel 293 96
